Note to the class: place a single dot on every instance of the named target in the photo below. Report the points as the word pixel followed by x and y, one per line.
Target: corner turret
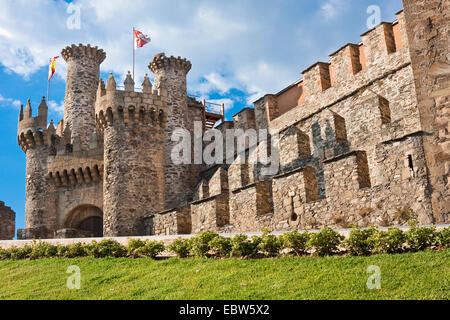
pixel 170 73
pixel 83 70
pixel 31 130
pixel 36 140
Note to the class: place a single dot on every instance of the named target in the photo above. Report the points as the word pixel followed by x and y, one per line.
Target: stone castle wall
pixel 427 29
pixel 7 222
pixel 354 152
pixel 361 140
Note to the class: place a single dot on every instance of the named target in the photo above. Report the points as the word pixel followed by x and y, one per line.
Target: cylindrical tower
pixel 35 139
pixel 83 70
pixel 170 73
pixel 133 128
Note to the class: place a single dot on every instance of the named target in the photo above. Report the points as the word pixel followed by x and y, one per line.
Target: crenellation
pixel 81 51
pixel 378 43
pixel 345 63
pixel 316 78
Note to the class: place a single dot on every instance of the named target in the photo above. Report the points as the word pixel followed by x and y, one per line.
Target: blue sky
pixel 240 50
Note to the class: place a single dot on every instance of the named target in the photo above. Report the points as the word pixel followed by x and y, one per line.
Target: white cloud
pixel 55 107
pixel 8 102
pixel 332 8
pixel 253 46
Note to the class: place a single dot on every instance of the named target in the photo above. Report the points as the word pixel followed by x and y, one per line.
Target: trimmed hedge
pixel 210 244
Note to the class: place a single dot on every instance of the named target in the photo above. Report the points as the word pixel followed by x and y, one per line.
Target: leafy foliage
pixel 360 243
pixel 243 247
pixel 41 250
pixel 180 247
pixel 200 243
pixel 269 244
pixel 296 242
pixel 390 241
pixel 221 246
pixel 443 238
pixel 137 248
pixel 420 238
pixel 326 241
pixel 106 248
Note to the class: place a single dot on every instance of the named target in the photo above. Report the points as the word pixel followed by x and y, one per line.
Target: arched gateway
pixel 85 218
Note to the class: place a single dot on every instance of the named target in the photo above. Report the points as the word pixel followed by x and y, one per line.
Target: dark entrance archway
pixel 86 218
pixel 93 225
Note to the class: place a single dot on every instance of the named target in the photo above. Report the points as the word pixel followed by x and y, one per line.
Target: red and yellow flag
pixel 52 68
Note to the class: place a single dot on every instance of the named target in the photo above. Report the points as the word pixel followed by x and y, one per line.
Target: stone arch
pixel 87 218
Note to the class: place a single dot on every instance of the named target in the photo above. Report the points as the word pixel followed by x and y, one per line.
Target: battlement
pixel 130 107
pixel 82 51
pixel 353 66
pixel 33 131
pixel 160 61
pixel 28 122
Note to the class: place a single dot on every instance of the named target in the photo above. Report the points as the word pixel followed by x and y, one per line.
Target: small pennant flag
pixel 140 39
pixel 52 68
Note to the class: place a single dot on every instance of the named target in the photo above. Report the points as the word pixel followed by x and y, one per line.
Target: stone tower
pixel 428 29
pixel 35 139
pixel 133 127
pixel 170 73
pixel 83 69
pixel 7 222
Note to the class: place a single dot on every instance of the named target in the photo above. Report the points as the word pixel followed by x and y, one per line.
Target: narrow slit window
pixel 410 162
pixel 411 165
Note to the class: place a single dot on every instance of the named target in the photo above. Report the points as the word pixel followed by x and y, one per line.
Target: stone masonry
pixel 7 222
pixel 361 140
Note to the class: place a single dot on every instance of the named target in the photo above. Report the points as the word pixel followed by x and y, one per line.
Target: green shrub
pixel 41 250
pixel 360 243
pixel 20 253
pixel 420 238
pixel 5 254
pixel 221 246
pixel 242 247
pixel 180 247
pixel 390 241
pixel 296 242
pixel 200 243
pixel 133 245
pixel 443 238
pixel 76 250
pixel 62 251
pixel 150 249
pixel 269 244
pixel 137 248
pixel 106 248
pixel 326 241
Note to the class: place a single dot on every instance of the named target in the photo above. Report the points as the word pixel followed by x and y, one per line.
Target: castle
pixel 363 140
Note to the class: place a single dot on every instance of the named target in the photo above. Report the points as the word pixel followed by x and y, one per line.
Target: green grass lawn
pixel 424 275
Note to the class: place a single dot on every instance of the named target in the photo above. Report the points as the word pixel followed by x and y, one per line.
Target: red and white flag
pixel 140 39
pixel 52 68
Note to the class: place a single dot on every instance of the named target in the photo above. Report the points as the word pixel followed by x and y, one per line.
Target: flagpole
pixel 133 54
pixel 48 84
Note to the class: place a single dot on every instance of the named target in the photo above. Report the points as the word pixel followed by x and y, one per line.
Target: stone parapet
pixel 82 52
pixel 160 61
